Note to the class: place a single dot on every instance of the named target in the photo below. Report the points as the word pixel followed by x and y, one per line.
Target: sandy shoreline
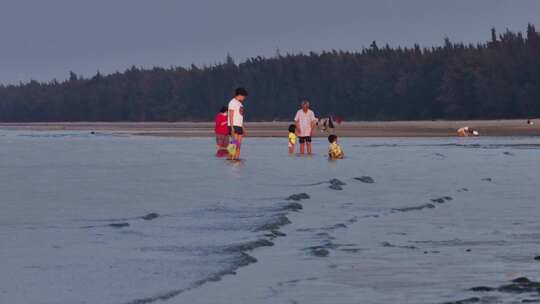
pixel 278 129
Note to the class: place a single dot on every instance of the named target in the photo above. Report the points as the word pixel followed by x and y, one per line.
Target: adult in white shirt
pixel 305 121
pixel 236 119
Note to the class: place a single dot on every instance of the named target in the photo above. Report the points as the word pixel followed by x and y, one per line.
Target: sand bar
pixel 278 129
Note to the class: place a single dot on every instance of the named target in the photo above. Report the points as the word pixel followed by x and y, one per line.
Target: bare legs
pixel 238 138
pixel 302 148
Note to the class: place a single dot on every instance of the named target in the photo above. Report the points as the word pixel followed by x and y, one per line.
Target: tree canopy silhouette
pixel 496 79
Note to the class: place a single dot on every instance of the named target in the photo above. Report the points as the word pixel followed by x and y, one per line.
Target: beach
pixel 266 152
pixel 279 129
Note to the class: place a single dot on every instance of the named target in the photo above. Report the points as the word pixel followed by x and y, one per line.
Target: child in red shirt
pixel 222 133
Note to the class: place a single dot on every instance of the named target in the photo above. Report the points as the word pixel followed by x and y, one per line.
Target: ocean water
pixel 102 218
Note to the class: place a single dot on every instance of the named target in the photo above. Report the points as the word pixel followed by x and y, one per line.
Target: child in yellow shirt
pixel 292 138
pixel 334 150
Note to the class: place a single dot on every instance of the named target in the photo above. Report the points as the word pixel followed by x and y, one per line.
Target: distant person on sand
pixel 222 133
pixel 327 124
pixel 236 119
pixel 305 122
pixel 292 138
pixel 467 131
pixel 334 150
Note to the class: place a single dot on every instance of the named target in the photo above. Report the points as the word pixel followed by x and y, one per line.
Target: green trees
pixel 497 79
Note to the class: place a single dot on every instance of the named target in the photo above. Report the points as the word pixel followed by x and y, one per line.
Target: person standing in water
pixel 236 119
pixel 292 138
pixel 222 132
pixel 305 121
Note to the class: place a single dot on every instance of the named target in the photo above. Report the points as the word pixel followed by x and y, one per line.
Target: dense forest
pixel 496 79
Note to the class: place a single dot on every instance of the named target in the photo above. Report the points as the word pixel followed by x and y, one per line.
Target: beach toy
pixel 232 147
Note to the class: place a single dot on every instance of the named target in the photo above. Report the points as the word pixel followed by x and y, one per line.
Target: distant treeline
pixel 497 79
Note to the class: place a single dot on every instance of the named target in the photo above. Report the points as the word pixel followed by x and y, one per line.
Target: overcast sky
pixel 45 39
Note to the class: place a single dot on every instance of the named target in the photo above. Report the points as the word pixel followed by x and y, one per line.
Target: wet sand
pixel 278 129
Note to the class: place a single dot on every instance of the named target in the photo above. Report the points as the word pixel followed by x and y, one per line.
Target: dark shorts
pixel 222 140
pixel 237 130
pixel 304 139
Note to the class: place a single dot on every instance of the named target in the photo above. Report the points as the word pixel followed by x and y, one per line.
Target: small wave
pixel 334 227
pixel 122 222
pixel 248 246
pixel 338 182
pixel 240 259
pixel 442 200
pixel 327 246
pixel 292 207
pixel 365 179
pixel 465 301
pixel 458 242
pixel 415 208
pixel 48 135
pixel 458 145
pixel 112 225
pixel 335 187
pixel 332 182
pixel 275 222
pixel 72 135
pixel 298 197
pixel 150 216
pixel 390 245
pixel 119 225
pixel 518 286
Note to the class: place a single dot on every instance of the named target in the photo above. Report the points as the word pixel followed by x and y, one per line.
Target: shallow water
pixel 125 219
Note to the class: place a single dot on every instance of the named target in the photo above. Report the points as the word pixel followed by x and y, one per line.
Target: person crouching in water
pixel 222 133
pixel 292 138
pixel 334 150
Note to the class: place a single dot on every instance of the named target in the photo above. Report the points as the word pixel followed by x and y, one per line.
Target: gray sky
pixel 43 40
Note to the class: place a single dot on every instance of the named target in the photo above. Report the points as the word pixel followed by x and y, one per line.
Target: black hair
pixel 292 128
pixel 223 109
pixel 241 92
pixel 332 138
